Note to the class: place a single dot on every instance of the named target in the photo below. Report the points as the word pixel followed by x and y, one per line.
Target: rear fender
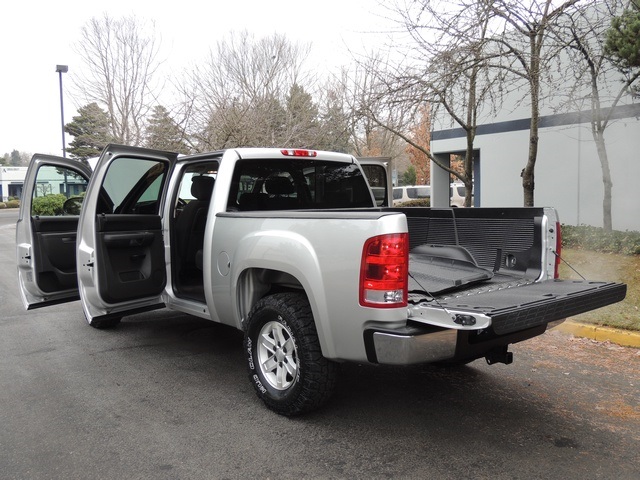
pixel 287 260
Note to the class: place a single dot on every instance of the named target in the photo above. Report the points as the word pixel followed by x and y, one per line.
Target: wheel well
pixel 256 283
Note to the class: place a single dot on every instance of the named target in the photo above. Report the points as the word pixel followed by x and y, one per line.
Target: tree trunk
pixel 528 177
pixel 471 136
pixel 607 221
pixel 468 169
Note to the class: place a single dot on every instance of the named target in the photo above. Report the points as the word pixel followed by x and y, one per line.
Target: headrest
pixel 279 186
pixel 202 187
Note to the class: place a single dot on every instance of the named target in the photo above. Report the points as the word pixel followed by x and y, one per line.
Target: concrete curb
pixel 626 338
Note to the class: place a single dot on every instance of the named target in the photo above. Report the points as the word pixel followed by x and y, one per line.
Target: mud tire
pixel 286 365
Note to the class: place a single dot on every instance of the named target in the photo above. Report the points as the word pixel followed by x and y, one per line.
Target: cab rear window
pixel 294 185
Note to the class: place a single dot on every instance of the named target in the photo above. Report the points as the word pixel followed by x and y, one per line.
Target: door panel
pixel 130 256
pixel 121 253
pixel 54 244
pixel 46 230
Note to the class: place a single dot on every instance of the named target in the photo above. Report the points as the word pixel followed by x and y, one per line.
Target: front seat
pixel 191 222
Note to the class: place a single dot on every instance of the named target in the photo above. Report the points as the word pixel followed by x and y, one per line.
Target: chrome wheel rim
pixel 277 356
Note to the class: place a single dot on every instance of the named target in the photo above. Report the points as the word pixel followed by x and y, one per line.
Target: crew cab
pixel 290 247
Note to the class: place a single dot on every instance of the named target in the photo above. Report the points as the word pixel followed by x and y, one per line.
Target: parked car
pixel 457 192
pixel 411 192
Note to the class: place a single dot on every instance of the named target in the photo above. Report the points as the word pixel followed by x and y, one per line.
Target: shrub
pixel 586 237
pixel 423 202
pixel 48 205
pixel 3 205
pixel 13 204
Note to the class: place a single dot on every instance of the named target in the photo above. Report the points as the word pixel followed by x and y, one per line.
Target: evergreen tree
pixel 90 130
pixel 623 38
pixel 335 134
pixel 163 133
pixel 409 177
pixel 302 117
pixel 16 158
pixel 622 45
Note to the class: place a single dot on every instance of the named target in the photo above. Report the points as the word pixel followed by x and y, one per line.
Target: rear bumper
pixel 425 344
pixel 410 347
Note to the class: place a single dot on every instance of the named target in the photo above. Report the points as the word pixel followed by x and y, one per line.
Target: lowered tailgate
pixel 514 306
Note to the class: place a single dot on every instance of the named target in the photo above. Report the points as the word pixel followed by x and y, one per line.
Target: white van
pixel 456 195
pixel 410 192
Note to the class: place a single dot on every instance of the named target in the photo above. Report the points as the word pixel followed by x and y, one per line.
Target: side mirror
pixel 72 206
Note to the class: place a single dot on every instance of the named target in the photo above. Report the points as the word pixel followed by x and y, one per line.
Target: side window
pixel 55 186
pixel 377 177
pixel 192 187
pixel 133 186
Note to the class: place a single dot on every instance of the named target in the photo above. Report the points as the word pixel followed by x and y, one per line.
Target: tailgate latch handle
pixel 466 320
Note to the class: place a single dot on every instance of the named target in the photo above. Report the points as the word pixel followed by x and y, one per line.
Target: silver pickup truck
pixel 293 248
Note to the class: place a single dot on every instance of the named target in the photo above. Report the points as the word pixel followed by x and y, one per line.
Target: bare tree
pixel 121 56
pixel 460 76
pixel 520 31
pixel 597 80
pixel 444 65
pixel 376 118
pixel 246 91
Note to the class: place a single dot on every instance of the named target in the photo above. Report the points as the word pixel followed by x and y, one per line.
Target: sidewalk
pixel 626 338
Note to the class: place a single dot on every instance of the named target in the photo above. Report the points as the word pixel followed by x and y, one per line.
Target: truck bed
pixel 487 262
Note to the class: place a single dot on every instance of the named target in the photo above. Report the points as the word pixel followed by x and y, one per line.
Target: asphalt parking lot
pixel 166 396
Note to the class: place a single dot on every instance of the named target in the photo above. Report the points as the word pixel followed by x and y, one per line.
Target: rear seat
pixel 277 197
pixel 278 190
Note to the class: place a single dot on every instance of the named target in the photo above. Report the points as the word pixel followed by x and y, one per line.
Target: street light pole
pixel 62 69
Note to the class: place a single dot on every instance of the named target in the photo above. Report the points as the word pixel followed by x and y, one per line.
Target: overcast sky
pixel 39 34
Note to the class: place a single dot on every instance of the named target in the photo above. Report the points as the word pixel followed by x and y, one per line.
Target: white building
pixel 11 181
pixel 50 181
pixel 568 173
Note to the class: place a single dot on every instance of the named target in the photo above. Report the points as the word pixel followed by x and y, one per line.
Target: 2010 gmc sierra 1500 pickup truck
pixel 290 247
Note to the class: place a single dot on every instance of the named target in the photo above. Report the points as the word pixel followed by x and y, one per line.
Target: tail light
pixel 556 270
pixel 384 271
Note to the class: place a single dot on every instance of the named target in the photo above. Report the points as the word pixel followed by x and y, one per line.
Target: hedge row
pixel 423 202
pixel 596 239
pixel 10 204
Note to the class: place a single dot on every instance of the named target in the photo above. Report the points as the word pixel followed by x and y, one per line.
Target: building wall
pixel 11 181
pixel 568 174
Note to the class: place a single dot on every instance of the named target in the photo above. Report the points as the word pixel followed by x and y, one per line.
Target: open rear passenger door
pixel 46 230
pixel 378 173
pixel 120 248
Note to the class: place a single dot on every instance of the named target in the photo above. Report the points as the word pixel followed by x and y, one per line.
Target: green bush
pixel 3 205
pixel 423 202
pixel 49 205
pixel 586 237
pixel 13 204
